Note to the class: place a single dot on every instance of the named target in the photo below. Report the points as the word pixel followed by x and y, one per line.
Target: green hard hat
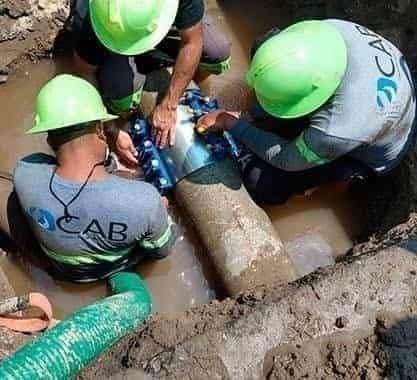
pixel 132 27
pixel 67 100
pixel 296 71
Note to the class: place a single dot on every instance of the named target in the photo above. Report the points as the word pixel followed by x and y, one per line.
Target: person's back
pixel 347 92
pixel 105 223
pixel 369 116
pixel 374 107
pixel 89 223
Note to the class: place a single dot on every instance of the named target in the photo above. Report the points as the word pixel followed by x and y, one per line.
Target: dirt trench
pixel 356 320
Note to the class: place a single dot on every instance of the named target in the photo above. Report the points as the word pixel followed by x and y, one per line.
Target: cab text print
pixel 386 85
pixel 115 231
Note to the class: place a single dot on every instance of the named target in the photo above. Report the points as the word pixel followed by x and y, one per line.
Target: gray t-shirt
pixel 369 118
pixel 107 220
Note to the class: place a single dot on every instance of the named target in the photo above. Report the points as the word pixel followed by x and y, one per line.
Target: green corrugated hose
pixel 61 352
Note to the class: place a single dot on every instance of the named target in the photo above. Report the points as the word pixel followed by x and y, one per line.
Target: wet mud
pixel 388 353
pixel 180 281
pixel 335 332
pixel 28 31
pixel 355 319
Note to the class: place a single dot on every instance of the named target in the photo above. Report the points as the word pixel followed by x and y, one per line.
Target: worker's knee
pixel 159 254
pixel 216 48
pixel 123 91
pixel 261 184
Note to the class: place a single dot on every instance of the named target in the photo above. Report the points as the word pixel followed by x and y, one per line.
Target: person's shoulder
pixel 35 160
pixel 341 25
pixel 32 166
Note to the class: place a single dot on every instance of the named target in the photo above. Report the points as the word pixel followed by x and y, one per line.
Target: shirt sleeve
pixel 161 234
pixel 190 13
pixel 312 148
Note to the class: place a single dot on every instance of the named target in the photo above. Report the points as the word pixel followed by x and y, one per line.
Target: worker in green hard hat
pixel 341 103
pixel 119 41
pixel 89 223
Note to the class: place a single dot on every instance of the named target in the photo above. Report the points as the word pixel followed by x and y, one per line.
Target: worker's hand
pixel 217 121
pixel 164 122
pixel 125 149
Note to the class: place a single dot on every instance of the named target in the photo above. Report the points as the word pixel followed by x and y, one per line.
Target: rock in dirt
pixel 3 77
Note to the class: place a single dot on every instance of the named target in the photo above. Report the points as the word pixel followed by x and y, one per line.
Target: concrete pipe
pixel 238 235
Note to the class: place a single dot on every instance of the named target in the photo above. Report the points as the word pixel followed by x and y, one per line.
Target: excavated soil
pixel 28 30
pixel 388 353
pixel 362 328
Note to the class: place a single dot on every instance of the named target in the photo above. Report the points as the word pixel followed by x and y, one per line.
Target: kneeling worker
pixel 89 223
pixel 351 92
pixel 120 41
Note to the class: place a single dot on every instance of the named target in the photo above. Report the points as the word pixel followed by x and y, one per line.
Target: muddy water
pixel 176 283
pixel 242 22
pixel 16 110
pixel 327 216
pixel 315 229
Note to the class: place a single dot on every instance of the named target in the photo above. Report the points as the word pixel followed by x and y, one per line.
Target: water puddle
pixel 16 110
pixel 329 214
pixel 176 283
pixel 242 22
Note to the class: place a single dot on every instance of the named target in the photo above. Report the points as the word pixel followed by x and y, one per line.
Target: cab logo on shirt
pixel 43 218
pixel 387 66
pixel 74 225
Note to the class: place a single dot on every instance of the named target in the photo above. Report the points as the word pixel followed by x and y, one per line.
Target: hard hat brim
pixel 46 127
pixel 305 107
pixel 143 45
